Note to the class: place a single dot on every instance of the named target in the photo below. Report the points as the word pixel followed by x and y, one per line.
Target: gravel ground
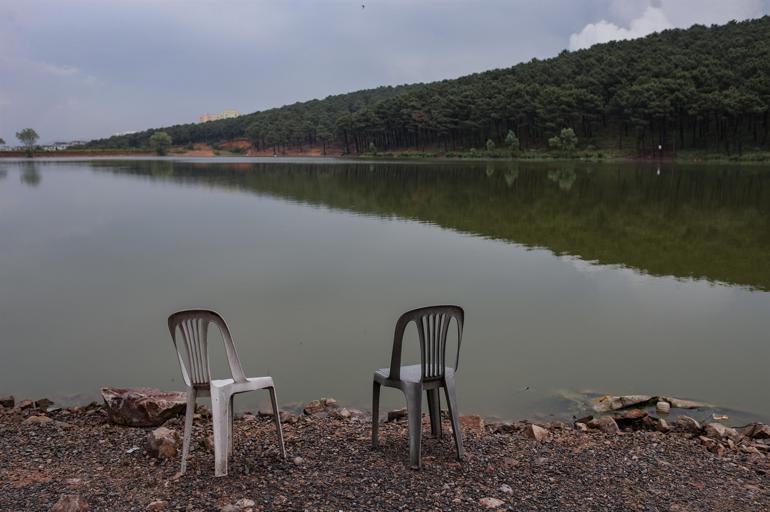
pixel 330 466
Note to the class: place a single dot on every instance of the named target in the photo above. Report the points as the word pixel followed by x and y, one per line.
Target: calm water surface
pixel 609 278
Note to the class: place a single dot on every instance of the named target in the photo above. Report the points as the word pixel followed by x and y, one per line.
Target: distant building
pixel 60 146
pixel 227 114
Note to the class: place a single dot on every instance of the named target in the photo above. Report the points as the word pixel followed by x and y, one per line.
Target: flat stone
pixel 613 403
pixel 71 503
pixel 678 403
pixel 537 433
pixel 606 424
pixel 491 502
pixel 143 407
pixel 43 404
pixel 630 417
pixel 7 401
pixel 36 420
pixel 163 443
pixel 687 424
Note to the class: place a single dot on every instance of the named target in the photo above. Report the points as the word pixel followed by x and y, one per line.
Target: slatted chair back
pixel 193 326
pixel 432 328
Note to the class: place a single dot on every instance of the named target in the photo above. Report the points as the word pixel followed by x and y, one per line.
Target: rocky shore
pixel 79 459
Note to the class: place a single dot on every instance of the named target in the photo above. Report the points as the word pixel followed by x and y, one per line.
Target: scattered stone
pixel 71 503
pixel 43 404
pixel 663 407
pixel 230 508
pixel 319 406
pixel 7 401
pixel 537 433
pixel 142 407
pixel 491 502
pixel 507 489
pixel 472 423
pixel 396 415
pixel 287 417
pixel 37 420
pixel 606 424
pixel 343 413
pixel 582 427
pixel 298 461
pixel 687 424
pixel 163 443
pixel 757 431
pixel 329 402
pixel 157 505
pixel 719 431
pixel 245 503
pixel 630 418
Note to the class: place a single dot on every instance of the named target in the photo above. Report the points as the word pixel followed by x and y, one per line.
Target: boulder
pixel 630 418
pixel 163 443
pixel 43 404
pixel 537 433
pixel 687 424
pixel 757 431
pixel 71 503
pixel 719 431
pixel 24 404
pixel 7 401
pixel 143 407
pixel 604 423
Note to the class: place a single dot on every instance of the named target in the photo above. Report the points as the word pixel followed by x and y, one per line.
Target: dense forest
pixel 698 88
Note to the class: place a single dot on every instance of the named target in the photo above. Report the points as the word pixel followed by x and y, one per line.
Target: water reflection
pixel 690 221
pixel 30 175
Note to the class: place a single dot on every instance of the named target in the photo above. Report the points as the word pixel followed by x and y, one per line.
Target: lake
pixel 576 278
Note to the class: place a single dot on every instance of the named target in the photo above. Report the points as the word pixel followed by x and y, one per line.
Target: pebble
pixel 491 502
pixel 298 460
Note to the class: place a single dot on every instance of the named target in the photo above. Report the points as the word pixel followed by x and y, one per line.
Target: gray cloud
pixel 90 68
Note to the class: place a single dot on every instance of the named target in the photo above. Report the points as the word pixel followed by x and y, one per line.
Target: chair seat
pixel 412 373
pixel 251 384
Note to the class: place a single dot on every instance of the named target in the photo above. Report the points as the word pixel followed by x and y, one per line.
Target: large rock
pixel 143 407
pixel 687 424
pixel 7 401
pixel 719 431
pixel 757 431
pixel 604 423
pixel 163 443
pixel 537 433
pixel 319 406
pixel 71 503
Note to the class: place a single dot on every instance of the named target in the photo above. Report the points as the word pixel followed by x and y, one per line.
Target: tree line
pixel 697 88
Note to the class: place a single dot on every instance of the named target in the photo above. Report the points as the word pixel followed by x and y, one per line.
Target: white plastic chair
pixel 193 325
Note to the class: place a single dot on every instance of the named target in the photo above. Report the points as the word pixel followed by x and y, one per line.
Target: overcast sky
pixel 80 69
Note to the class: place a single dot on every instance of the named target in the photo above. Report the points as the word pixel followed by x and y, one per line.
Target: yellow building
pixel 226 114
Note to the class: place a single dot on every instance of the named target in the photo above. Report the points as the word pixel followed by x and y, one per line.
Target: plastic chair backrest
pixel 432 327
pixel 194 325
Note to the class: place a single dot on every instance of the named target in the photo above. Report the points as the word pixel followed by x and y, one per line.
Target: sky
pixel 83 69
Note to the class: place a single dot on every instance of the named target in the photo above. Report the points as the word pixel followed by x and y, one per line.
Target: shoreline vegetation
pixel 627 459
pixel 205 151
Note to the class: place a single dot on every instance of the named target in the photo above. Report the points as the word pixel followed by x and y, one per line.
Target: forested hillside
pixel 699 88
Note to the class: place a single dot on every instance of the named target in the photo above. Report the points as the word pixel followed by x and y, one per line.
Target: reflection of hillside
pixel 703 222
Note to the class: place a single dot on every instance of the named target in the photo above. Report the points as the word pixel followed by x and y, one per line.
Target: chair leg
pixel 277 419
pixel 434 408
pixel 230 413
pixel 219 412
pixel 375 414
pixel 449 389
pixel 188 423
pixel 414 416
